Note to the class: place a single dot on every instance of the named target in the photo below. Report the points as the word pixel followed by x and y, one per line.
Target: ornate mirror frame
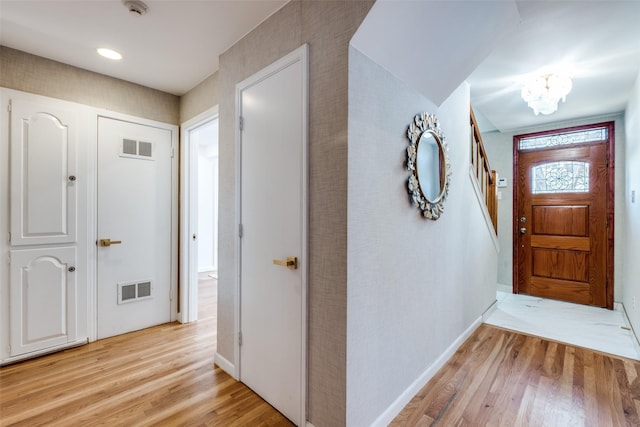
pixel 427 123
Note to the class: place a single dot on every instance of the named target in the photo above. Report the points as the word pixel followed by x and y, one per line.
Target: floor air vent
pixel 136 291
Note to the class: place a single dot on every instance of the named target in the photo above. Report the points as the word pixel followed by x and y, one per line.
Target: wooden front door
pixel 563 228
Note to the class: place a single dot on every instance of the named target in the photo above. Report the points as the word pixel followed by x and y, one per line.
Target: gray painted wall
pixel 34 74
pixel 500 151
pixel 414 285
pixel 631 210
pixel 200 98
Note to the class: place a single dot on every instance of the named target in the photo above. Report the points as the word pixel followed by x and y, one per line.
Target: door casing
pixel 188 216
pixel 610 189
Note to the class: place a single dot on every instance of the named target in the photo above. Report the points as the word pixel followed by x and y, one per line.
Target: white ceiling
pixel 425 59
pixel 598 42
pixel 173 47
pixel 177 43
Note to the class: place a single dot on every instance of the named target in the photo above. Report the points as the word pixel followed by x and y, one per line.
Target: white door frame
pixel 300 54
pixel 93 207
pixel 189 216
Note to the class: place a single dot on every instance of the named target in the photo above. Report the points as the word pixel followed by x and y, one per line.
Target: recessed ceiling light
pixel 108 53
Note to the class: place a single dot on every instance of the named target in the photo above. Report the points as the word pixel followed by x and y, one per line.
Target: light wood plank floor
pixel 163 375
pixel 504 378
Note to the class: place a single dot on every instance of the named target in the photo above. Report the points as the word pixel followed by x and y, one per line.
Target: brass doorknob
pixel 291 262
pixel 109 242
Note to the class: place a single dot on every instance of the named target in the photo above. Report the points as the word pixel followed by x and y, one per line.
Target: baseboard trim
pixel 618 306
pixel 33 354
pixel 505 288
pixel 394 409
pixel 225 365
pixel 489 311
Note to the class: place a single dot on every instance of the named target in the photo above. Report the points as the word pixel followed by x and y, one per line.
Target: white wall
pixel 500 151
pixel 206 139
pixel 500 154
pixel 414 285
pixel 207 212
pixel 631 210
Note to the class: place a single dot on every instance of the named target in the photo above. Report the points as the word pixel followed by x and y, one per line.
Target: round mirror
pixel 428 165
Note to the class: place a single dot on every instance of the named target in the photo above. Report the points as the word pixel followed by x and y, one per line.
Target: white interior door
pixel 134 226
pixel 272 107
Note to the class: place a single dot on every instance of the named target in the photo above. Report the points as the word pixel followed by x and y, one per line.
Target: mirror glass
pixel 428 165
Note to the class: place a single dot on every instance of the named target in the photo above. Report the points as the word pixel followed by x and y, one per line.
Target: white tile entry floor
pixel 585 326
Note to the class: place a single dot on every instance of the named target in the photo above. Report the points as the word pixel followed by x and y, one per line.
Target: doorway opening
pixel 563 214
pixel 199 210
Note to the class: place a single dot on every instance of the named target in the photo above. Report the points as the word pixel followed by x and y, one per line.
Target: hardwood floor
pixel 503 378
pixel 163 375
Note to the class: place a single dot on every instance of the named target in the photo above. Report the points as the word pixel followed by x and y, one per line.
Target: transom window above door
pixel 565 138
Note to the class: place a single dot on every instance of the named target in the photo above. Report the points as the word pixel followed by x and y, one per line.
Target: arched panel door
pixel 43 175
pixel 43 299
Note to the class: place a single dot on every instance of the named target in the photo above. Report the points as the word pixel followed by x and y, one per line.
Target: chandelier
pixel 542 93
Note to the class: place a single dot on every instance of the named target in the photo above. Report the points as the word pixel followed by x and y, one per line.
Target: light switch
pixel 633 196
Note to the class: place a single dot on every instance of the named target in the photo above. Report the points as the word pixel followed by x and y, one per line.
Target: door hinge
pixel 173 152
pixel 8 258
pixel 241 123
pixel 240 338
pixel 9 106
pixel 170 295
pixel 9 236
pixel 240 230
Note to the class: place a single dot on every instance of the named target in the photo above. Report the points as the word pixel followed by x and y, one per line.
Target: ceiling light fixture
pixel 109 53
pixel 542 93
pixel 135 7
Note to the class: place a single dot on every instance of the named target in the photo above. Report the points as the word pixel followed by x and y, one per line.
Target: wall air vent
pixel 130 146
pixel 135 149
pixel 144 149
pixel 134 291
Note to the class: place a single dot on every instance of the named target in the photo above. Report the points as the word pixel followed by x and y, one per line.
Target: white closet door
pixel 43 174
pixel 134 226
pixel 43 298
